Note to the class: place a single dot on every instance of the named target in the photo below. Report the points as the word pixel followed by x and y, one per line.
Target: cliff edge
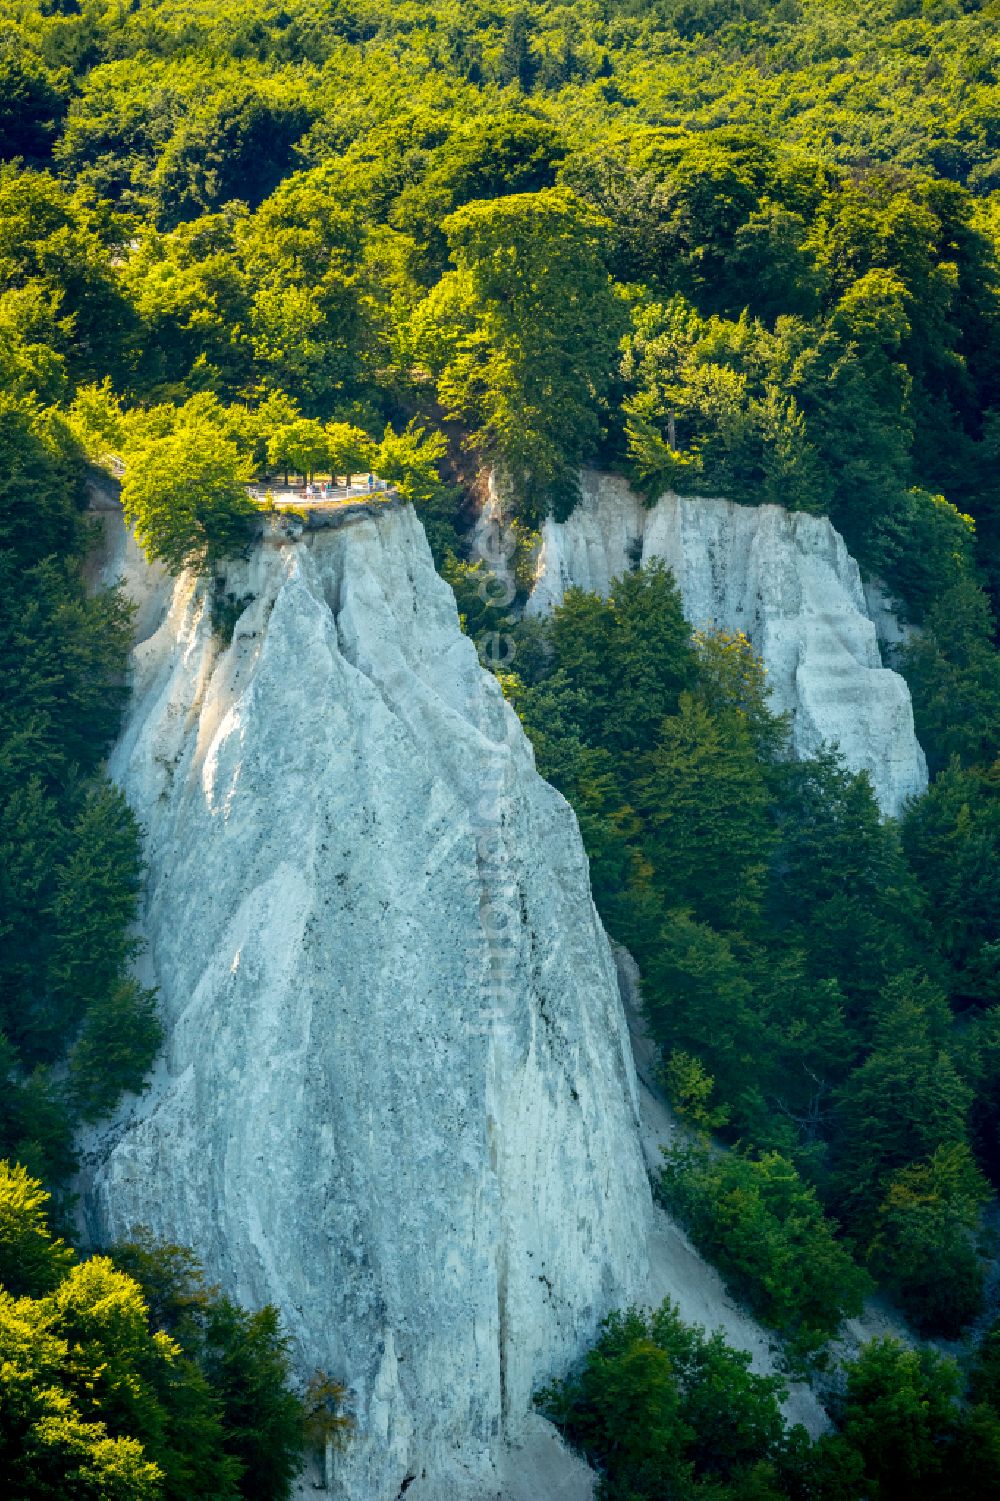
pixel 783 578
pixel 396 1096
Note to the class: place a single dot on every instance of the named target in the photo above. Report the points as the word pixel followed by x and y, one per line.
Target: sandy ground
pixel 540 1468
pixel 543 1469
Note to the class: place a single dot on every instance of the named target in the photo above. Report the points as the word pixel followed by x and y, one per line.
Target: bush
pixel 767 1233
pixel 925 1246
pixel 660 1408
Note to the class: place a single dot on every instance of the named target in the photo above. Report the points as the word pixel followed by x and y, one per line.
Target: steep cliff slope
pixel 785 579
pixel 397 1095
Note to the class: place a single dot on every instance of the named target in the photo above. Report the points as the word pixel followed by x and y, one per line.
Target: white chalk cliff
pixel 396 1096
pixel 783 578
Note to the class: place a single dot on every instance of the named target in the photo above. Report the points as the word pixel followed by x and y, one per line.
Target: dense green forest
pixel 725 247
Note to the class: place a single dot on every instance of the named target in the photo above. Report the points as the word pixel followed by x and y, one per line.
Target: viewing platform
pixel 319 495
pixel 288 511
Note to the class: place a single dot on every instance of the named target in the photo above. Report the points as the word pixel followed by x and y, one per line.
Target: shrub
pixel 925 1245
pixel 766 1231
pixel 665 1411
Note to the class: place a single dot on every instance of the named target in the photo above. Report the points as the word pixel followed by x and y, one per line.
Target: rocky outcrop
pixel 397 1096
pixel 783 578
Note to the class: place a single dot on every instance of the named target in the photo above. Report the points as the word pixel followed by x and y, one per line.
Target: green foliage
pixel 132 1378
pixel 521 337
pixel 39 485
pixel 48 1447
pixel 790 974
pixel 926 1239
pixel 243 1356
pixel 349 449
pixel 486 590
pixel 117 1045
pixel 703 798
pixel 952 842
pixel 237 145
pixel 185 142
pixel 732 680
pixel 982 1070
pixel 32 104
pixel 81 877
pixel 301 446
pixel 410 461
pixel 739 247
pixel 69 859
pixel 663 1410
pixel 954 674
pixel 99 1401
pixel 765 1230
pixel 607 673
pixel 299 258
pixel 699 423
pixel 842 888
pixel 626 658
pixel 984 1383
pixel 96 888
pixel 32 1260
pixel 902 1103
pixel 482 158
pixel 689 1089
pixel 59 246
pixel 185 493
pixel 813 283
pixel 933 553
pixel 697 995
pixel 899 1412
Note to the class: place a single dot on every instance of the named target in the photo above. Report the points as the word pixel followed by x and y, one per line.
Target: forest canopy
pixel 725 247
pixel 752 246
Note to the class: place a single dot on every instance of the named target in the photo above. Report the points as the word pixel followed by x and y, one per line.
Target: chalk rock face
pixel 397 1097
pixel 783 578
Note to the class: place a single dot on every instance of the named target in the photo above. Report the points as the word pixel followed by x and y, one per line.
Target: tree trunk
pixel 328 1463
